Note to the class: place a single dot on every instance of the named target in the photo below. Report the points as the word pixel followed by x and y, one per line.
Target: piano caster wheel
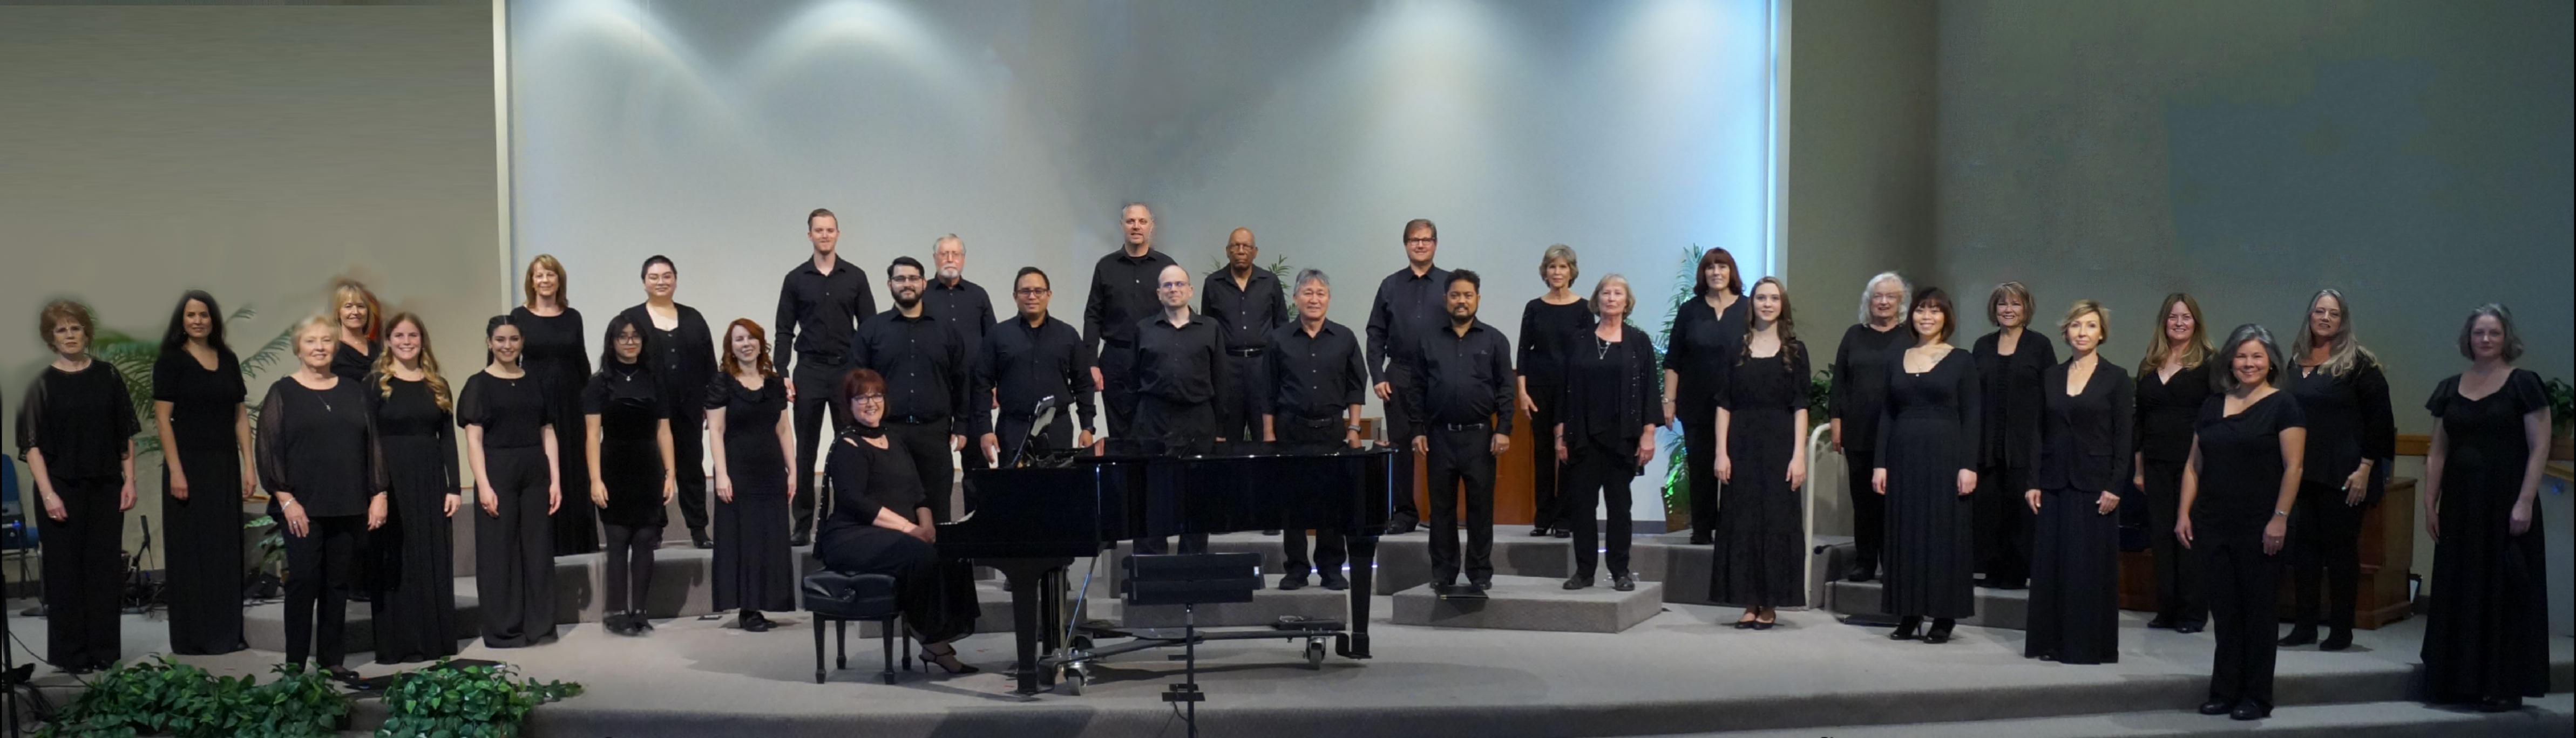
pixel 1315 654
pixel 1072 683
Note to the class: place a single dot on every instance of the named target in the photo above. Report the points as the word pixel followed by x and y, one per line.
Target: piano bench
pixel 840 597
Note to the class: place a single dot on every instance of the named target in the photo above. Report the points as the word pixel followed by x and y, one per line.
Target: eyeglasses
pixel 868 398
pixel 1175 285
pixel 1412 241
pixel 1031 291
pixel 904 278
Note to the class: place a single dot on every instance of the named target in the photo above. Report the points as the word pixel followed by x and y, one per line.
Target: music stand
pixel 1189 580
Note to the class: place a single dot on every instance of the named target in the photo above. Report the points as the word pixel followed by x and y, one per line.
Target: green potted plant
pixel 475 701
pixel 165 697
pixel 2562 416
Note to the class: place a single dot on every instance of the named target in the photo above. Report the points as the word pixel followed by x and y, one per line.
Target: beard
pixel 950 274
pixel 907 301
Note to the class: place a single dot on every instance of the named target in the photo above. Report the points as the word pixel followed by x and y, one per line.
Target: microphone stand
pixel 1044 415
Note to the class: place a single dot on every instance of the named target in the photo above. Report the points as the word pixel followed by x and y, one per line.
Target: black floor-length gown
pixel 555 353
pixel 2075 548
pixel 415 570
pixel 202 535
pixel 1761 520
pixel 754 568
pixel 1927 435
pixel 2487 635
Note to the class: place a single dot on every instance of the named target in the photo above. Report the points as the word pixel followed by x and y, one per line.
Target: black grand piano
pixel 1031 521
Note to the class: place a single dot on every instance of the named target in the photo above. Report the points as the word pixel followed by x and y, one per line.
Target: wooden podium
pixel 2387 548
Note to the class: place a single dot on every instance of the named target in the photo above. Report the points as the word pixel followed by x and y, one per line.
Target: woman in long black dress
pixel 2237 491
pixel 1864 359
pixel 628 434
pixel 1706 336
pixel 76 431
pixel 747 420
pixel 1762 456
pixel 555 349
pixel 415 572
pixel 1607 433
pixel 2009 364
pixel 683 355
pixel 2075 541
pixel 1549 323
pixel 197 404
pixel 361 331
pixel 319 458
pixel 880 524
pixel 2486 639
pixel 2351 439
pixel 1926 469
pixel 510 442
pixel 2173 382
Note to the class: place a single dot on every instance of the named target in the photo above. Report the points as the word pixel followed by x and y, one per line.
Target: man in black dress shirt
pixel 822 301
pixel 1030 358
pixel 1408 306
pixel 1312 384
pixel 1246 302
pixel 1122 294
pixel 966 310
pixel 925 377
pixel 1464 410
pixel 1180 371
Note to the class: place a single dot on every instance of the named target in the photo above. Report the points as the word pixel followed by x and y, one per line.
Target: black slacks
pixel 1463 457
pixel 2178 592
pixel 1118 385
pixel 927 445
pixel 1401 427
pixel 84 571
pixel 2325 551
pixel 321 570
pixel 2243 585
pixel 1331 550
pixel 1869 508
pixel 630 565
pixel 1238 415
pixel 688 458
pixel 816 381
pixel 2003 526
pixel 1548 508
pixel 1699 440
pixel 514 563
pixel 1599 473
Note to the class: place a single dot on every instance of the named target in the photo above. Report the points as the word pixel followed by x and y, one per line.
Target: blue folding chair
pixel 15 534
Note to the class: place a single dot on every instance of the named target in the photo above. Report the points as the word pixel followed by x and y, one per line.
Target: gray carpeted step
pixel 264 625
pixel 1533 603
pixel 1404 562
pixel 1996 608
pixel 1267 607
pixel 2553 715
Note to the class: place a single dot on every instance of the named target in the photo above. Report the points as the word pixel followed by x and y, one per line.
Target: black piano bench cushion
pixel 848 596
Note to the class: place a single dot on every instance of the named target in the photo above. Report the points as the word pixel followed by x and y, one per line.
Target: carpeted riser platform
pixel 1996 608
pixel 1531 603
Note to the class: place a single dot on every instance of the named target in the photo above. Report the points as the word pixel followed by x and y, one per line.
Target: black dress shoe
pixel 2189 627
pixel 800 540
pixel 1292 583
pixel 2500 704
pixel 1940 632
pixel 1399 527
pixel 2300 636
pixel 2161 622
pixel 1906 627
pixel 1701 538
pixel 2338 640
pixel 1270 531
pixel 2217 707
pixel 1578 581
pixel 1335 582
pixel 1623 582
pixel 1744 625
pixel 1861 573
pixel 1481 585
pixel 698 537
pixel 1561 533
pixel 1539 532
pixel 2250 711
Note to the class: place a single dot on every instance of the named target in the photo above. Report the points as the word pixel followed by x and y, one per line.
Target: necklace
pixel 1602 351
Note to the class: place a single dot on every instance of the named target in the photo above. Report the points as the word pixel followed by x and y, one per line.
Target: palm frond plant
pixel 1278 268
pixel 1677 466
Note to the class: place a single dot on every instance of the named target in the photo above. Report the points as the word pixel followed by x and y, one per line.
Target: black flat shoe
pixel 1623 582
pixel 1481 585
pixel 1701 538
pixel 1940 632
pixel 2160 622
pixel 800 540
pixel 1292 583
pixel 2339 640
pixel 2299 636
pixel 2189 627
pixel 1578 582
pixel 1905 629
pixel 2217 707
pixel 1400 527
pixel 1335 582
pixel 1744 625
pixel 1561 533
pixel 1861 573
pixel 756 623
pixel 2500 704
pixel 2250 711
pixel 1539 532
pixel 698 537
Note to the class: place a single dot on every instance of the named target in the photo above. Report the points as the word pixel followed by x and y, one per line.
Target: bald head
pixel 1173 288
pixel 1136 222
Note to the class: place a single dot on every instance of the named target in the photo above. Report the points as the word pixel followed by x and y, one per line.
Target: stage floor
pixel 1682 671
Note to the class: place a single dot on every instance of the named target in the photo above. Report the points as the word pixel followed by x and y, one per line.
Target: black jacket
pixel 2083 440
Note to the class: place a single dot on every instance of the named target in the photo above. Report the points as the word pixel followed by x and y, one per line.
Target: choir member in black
pixel 1607 433
pixel 361 330
pixel 2075 539
pixel 415 570
pixel 747 421
pixel 1123 293
pixel 682 354
pixel 555 349
pixel 819 305
pixel 1180 372
pixel 511 441
pixel 1926 470
pixel 1411 304
pixel 627 427
pixel 2009 364
pixel 1549 324
pixel 1313 382
pixel 2486 638
pixel 2352 436
pixel 2173 382
pixel 1868 353
pixel 1762 459
pixel 76 432
pixel 197 397
pixel 965 308
pixel 883 525
pixel 1246 303
pixel 319 457
pixel 1707 336
pixel 1031 358
pixel 2237 490
pixel 1463 372
pixel 925 373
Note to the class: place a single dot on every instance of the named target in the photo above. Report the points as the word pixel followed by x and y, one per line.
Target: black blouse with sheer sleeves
pixel 81 421
pixel 320 446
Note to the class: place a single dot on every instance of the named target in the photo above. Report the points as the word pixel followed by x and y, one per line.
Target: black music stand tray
pixel 1188 580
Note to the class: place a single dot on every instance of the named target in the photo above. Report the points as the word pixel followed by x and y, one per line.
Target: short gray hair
pixel 950 238
pixel 1312 275
pixel 2512 348
pixel 1901 286
pixel 2224 381
pixel 1560 252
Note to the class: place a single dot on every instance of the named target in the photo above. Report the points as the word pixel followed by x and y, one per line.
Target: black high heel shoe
pixel 2339 639
pixel 1940 632
pixel 1906 627
pixel 947 661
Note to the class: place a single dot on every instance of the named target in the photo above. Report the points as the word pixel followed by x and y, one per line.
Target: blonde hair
pixel 528 282
pixel 2342 353
pixel 1606 279
pixel 348 291
pixel 1557 253
pixel 2160 348
pixel 428 364
pixel 2101 315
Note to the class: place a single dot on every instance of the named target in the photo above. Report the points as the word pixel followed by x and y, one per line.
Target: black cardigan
pixel 1640 399
pixel 2083 440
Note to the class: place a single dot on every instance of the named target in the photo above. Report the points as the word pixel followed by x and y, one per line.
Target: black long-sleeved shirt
pixel 320 446
pixel 2349 419
pixel 817 312
pixel 1312 377
pixel 1020 365
pixel 1244 314
pixel 1122 294
pixel 964 307
pixel 923 365
pixel 1860 380
pixel 683 361
pixel 1462 379
pixel 1181 363
pixel 1701 351
pixel 1407 307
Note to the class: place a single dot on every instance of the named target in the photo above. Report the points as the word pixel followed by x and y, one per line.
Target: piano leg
pixel 1028 584
pixel 1363 550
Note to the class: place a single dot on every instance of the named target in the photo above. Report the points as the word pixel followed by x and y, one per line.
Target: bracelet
pixel 2280 513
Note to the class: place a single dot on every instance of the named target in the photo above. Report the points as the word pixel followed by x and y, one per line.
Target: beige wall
pixel 254 152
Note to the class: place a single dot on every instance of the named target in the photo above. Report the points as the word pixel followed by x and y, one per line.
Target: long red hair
pixel 733 366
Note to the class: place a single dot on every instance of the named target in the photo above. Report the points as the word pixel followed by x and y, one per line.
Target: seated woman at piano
pixel 880 524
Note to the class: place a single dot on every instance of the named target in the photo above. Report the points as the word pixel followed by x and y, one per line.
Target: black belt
pixel 826 357
pixel 1116 343
pixel 1459 426
pixel 1312 421
pixel 1253 351
pixel 914 419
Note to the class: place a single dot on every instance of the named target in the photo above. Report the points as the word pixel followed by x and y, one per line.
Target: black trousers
pixel 514 563
pixel 927 444
pixel 2325 551
pixel 1869 508
pixel 2178 591
pixel 1238 414
pixel 1331 550
pixel 2243 585
pixel 1458 458
pixel 1548 508
pixel 1118 385
pixel 1599 473
pixel 816 381
pixel 321 571
pixel 1699 440
pixel 84 571
pixel 630 565
pixel 2003 526
pixel 688 457
pixel 1182 426
pixel 1011 433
